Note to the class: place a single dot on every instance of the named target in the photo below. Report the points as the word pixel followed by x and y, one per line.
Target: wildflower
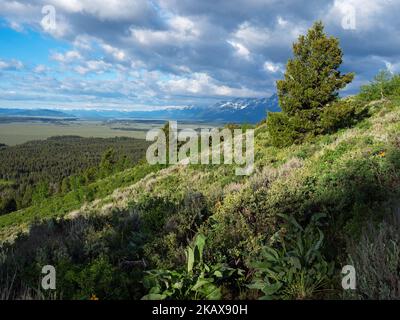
pixel 382 154
pixel 94 297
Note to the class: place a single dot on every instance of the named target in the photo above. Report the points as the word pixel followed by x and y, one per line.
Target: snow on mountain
pixel 238 110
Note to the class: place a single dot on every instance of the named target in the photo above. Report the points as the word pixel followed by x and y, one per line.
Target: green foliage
pixel 158 210
pixel 62 163
pixel 60 205
pixel 312 81
pixel 108 162
pixel 146 229
pixel 385 85
pixel 294 266
pixel 376 258
pixel 99 278
pixel 282 129
pixel 197 281
pixel 7 205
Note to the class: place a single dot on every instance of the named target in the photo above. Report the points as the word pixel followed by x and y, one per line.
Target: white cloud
pixel 180 30
pixel 282 22
pixel 203 85
pixel 16 26
pixel 40 68
pixel 241 50
pixel 367 13
pixel 174 51
pixel 105 10
pixel 67 57
pixel 392 67
pixel 252 35
pixel 115 52
pixel 272 67
pixel 11 65
pixel 96 66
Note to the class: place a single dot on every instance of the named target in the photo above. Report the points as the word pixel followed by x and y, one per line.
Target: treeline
pixel 35 170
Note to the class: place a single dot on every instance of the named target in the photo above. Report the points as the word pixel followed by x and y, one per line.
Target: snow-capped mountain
pixel 250 110
pixel 239 110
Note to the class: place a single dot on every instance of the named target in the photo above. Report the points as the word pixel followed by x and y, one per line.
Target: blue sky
pixel 150 54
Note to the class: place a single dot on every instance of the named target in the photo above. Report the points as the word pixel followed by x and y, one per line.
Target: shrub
pixel 376 258
pixel 282 130
pixel 197 281
pixel 339 115
pixel 293 267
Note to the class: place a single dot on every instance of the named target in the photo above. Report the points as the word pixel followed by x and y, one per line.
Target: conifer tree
pixel 311 83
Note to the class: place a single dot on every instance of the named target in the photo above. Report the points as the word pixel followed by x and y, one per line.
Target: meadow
pixel 20 132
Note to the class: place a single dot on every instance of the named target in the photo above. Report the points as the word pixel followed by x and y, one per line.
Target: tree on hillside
pixel 311 84
pixel 382 87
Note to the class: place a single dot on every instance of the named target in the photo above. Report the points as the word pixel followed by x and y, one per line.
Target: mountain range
pixel 240 110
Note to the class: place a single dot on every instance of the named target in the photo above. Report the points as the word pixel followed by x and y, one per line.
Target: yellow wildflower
pixel 94 297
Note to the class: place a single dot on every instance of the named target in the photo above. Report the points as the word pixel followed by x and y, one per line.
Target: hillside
pixel 334 186
pixel 42 168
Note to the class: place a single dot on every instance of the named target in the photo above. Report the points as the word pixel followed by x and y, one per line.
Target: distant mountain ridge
pixel 250 110
pixel 34 113
pixel 239 110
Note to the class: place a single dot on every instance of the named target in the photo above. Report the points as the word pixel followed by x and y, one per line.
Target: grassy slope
pixel 350 176
pixel 13 223
pixel 219 182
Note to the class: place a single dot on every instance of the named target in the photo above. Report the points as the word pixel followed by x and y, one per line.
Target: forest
pixel 38 169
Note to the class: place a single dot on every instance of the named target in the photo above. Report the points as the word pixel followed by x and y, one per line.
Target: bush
pixel 376 258
pixel 282 130
pixel 197 281
pixel 293 267
pixel 339 115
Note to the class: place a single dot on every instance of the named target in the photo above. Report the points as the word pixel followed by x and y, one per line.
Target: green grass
pixel 58 206
pixel 6 183
pixel 151 214
pixel 17 133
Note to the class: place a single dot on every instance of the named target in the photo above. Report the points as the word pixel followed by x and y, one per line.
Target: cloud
pixel 202 84
pixel 272 67
pixel 241 50
pixel 67 57
pixel 173 52
pixel 96 66
pixel 41 69
pixel 11 65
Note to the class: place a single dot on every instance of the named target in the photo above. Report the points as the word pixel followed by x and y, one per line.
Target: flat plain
pixel 20 132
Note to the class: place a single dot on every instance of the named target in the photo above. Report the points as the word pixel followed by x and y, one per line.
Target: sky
pixel 155 54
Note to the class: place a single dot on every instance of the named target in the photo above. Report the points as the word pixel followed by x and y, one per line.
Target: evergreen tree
pixel 311 84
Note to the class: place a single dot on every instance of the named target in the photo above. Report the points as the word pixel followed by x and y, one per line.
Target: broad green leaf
pixel 218 274
pixel 154 296
pixel 190 259
pixel 200 243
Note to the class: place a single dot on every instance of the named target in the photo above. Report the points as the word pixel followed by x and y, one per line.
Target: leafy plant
pixel 197 281
pixel 294 268
pixel 376 258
